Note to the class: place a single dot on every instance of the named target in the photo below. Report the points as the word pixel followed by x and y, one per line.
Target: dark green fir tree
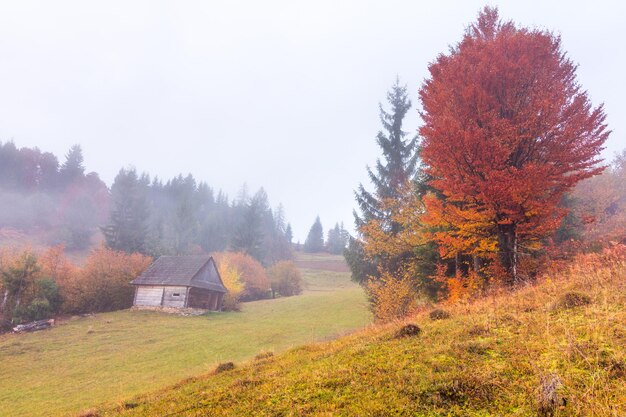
pixel 127 228
pixel 399 164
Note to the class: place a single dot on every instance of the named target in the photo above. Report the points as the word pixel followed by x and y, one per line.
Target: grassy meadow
pixel 111 357
pixel 553 349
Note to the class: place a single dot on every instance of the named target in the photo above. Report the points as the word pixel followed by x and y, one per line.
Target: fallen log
pixel 34 326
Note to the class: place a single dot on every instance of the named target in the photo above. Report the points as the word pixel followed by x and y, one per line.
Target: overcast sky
pixel 279 94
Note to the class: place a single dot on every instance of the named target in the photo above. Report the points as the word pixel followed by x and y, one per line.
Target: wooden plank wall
pixel 148 296
pixel 174 297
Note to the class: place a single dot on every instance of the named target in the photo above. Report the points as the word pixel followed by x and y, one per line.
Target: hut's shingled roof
pixel 187 271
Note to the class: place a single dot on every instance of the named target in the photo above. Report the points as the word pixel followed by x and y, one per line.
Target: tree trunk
pixel 507 240
pixel 4 300
pixel 476 262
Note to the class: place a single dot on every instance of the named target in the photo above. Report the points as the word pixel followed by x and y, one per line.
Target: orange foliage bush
pixel 252 274
pixel 587 264
pixel 392 298
pixel 285 279
pixel 56 266
pixel 8 256
pixel 103 283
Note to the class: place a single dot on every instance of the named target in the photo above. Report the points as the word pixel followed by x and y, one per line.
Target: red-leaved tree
pixel 507 130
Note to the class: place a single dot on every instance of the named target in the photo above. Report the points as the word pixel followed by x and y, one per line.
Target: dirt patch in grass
pixel 572 299
pixel 408 330
pixel 223 367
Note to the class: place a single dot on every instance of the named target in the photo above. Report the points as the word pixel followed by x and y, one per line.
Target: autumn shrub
pixel 256 284
pixel 55 265
pixel 231 277
pixel 285 279
pixel 460 287
pixel 19 276
pixel 392 298
pixel 37 309
pixel 103 284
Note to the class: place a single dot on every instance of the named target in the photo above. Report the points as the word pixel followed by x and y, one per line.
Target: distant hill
pixel 321 261
pixel 556 348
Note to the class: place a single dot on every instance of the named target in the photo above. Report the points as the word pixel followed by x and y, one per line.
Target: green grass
pixel 487 359
pixel 114 356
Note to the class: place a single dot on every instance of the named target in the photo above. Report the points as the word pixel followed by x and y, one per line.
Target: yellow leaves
pixel 231 277
pixel 401 232
pixel 392 242
pixel 252 272
pixel 392 298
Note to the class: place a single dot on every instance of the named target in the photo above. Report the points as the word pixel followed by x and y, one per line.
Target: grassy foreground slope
pixel 502 356
pixel 114 356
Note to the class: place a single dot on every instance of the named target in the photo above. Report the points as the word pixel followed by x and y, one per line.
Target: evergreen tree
pixel 278 247
pixel 249 234
pixel 337 239
pixel 73 167
pixel 315 239
pixel 216 225
pixel 360 267
pixel 399 166
pixel 289 233
pixel 127 229
pixel 400 159
pixel 184 223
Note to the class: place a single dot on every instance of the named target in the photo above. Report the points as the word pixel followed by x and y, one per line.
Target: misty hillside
pixel 556 348
pixel 46 203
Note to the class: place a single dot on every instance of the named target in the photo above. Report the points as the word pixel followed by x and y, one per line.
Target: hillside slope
pixel 545 349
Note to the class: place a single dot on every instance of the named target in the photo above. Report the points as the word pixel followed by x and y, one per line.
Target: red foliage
pixel 56 266
pixel 103 283
pixel 507 131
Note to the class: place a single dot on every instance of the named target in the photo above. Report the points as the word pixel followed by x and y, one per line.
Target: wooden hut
pixel 180 282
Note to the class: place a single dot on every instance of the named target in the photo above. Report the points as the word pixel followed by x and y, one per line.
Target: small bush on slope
pixel 285 279
pixel 445 371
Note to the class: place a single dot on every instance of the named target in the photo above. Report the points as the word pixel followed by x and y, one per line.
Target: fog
pixel 278 94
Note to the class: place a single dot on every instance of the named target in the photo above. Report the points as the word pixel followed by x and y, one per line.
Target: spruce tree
pixel 249 234
pixel 73 167
pixel 337 239
pixel 289 233
pixel 400 158
pixel 127 228
pixel 315 239
pixel 399 165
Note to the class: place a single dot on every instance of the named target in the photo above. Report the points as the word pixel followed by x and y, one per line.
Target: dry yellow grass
pixel 511 354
